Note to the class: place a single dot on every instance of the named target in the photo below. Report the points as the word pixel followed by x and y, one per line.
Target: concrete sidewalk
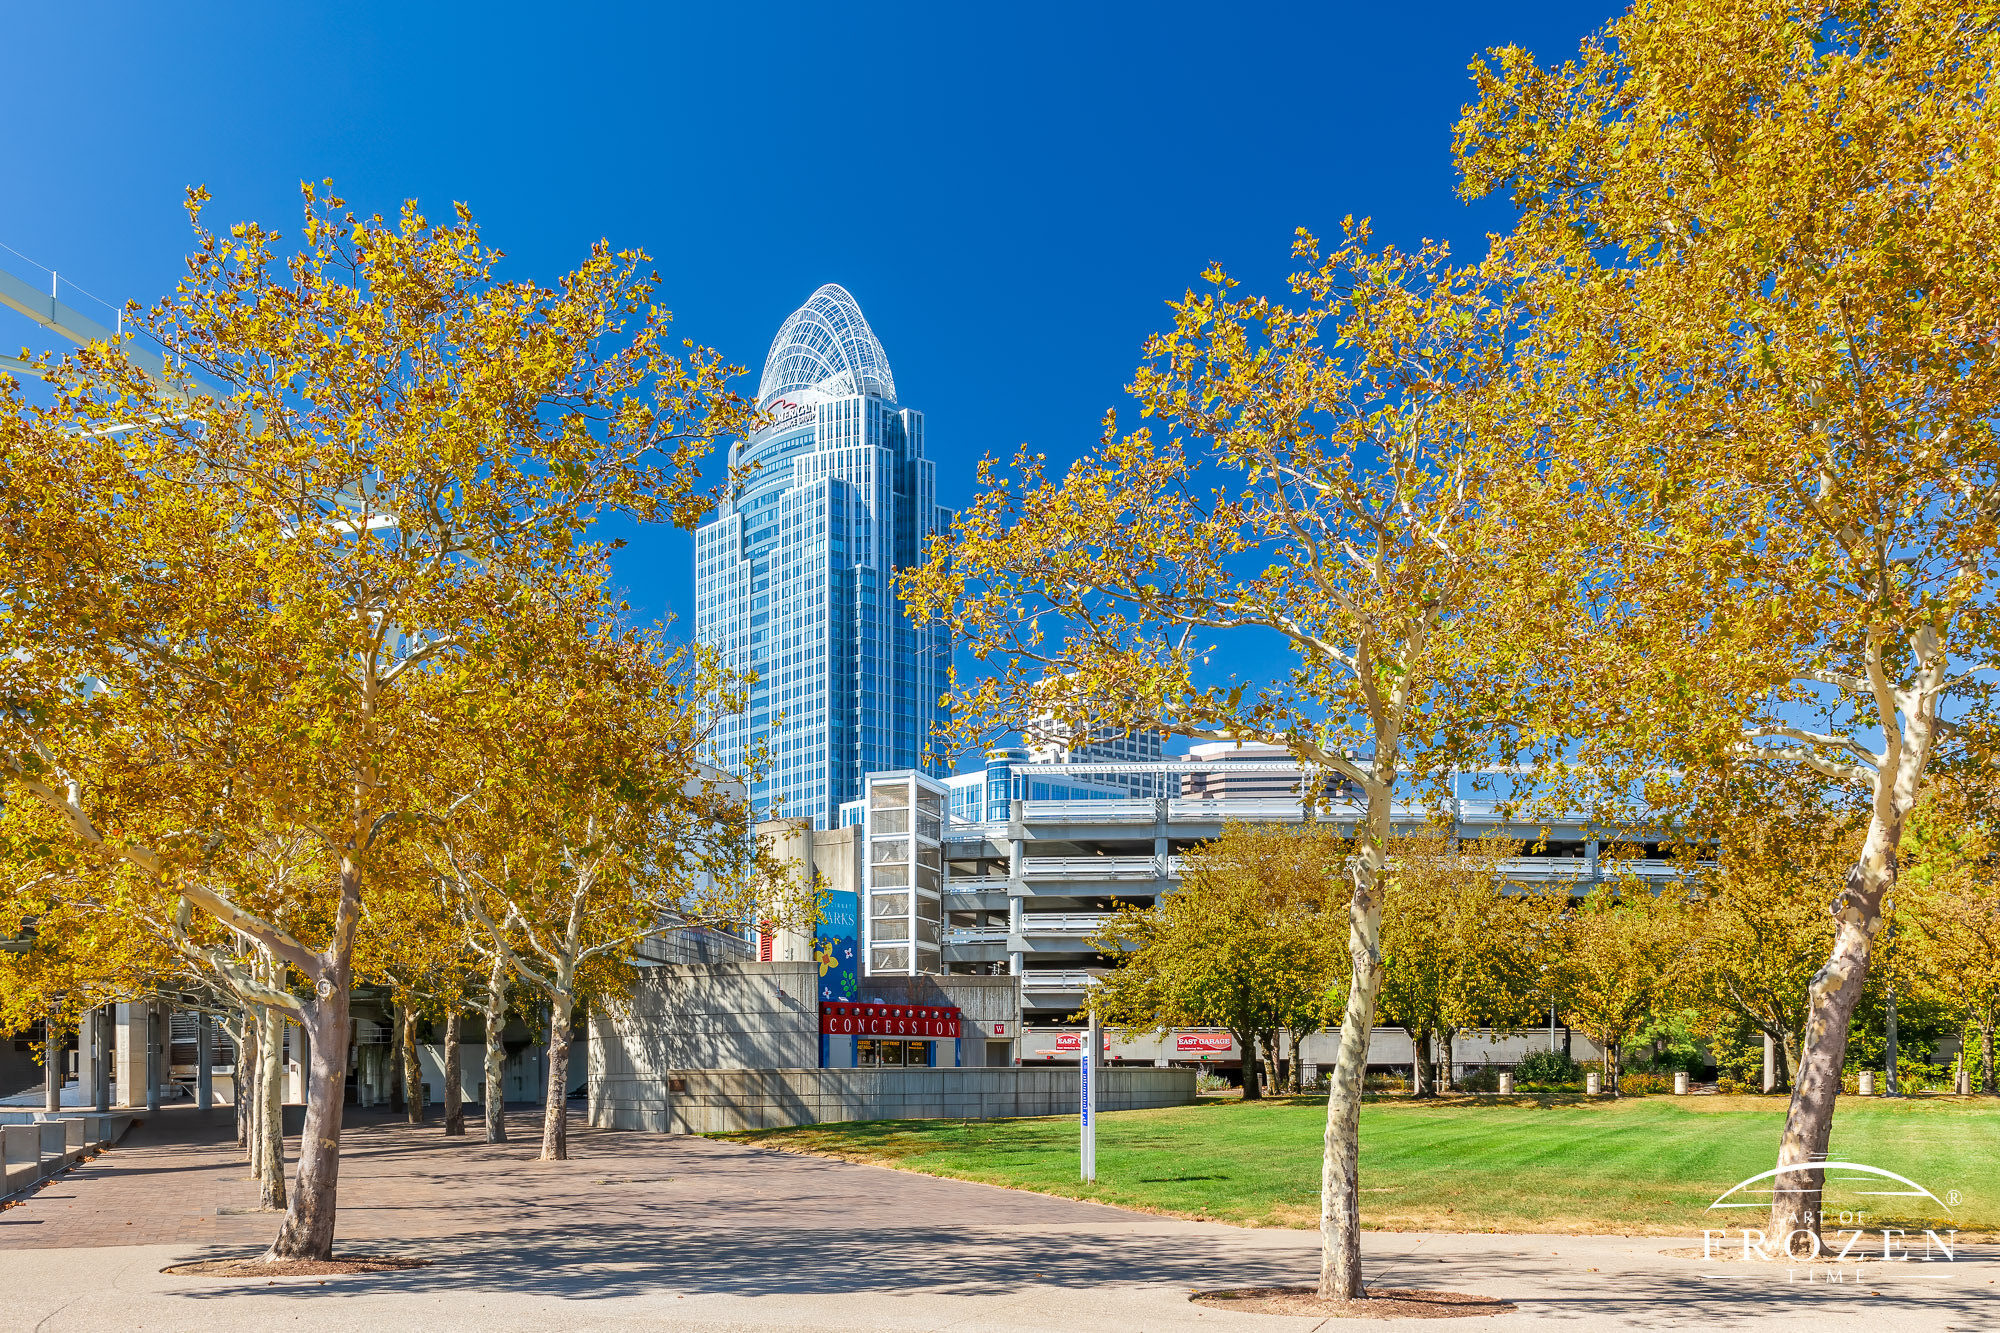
pixel 650 1231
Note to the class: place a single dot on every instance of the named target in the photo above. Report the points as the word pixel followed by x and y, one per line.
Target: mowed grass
pixel 1633 1166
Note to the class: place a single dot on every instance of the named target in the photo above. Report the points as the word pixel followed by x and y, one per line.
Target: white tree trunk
pixel 271 1088
pixel 555 1114
pixel 1340 1176
pixel 493 1104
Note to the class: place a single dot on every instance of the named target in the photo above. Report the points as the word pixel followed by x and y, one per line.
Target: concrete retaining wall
pixel 33 1146
pixel 711 1101
pixel 708 1016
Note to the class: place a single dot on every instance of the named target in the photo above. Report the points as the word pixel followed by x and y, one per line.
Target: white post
pixel 204 1060
pixel 1770 1063
pixel 1088 1088
pixel 1680 1083
pixel 1591 1083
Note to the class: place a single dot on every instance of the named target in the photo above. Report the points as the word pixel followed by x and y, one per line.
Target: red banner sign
pixel 1069 1041
pixel 1203 1041
pixel 887 1020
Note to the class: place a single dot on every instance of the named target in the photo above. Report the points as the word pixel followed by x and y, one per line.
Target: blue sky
pixel 1011 192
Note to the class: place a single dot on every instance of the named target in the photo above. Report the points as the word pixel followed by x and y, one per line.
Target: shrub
pixel 1486 1078
pixel 1639 1085
pixel 1545 1069
pixel 1208 1081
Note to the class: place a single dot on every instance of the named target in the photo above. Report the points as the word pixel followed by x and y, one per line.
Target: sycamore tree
pixel 593 823
pixel 1455 946
pixel 1763 249
pixel 1950 915
pixel 1311 496
pixel 1247 942
pixel 1622 951
pixel 368 442
pixel 1764 925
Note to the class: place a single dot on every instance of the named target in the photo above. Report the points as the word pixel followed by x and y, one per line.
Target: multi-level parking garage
pixel 1035 856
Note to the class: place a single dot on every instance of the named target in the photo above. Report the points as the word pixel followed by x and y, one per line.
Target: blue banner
pixel 837 945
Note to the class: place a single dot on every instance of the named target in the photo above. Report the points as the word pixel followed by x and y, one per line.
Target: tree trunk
pixel 454 1094
pixel 1784 1052
pixel 246 1087
pixel 492 1097
pixel 413 1069
pixel 555 1115
pixel 397 1102
pixel 52 1053
pixel 1252 1089
pixel 271 1113
pixel 1611 1049
pixel 1340 1176
pixel 1420 1065
pixel 1831 999
pixel 1446 1081
pixel 307 1232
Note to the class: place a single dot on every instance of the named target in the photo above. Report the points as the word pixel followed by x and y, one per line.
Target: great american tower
pixel 795 575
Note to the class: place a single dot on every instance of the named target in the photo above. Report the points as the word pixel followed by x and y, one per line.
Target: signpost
pixel 1092 1048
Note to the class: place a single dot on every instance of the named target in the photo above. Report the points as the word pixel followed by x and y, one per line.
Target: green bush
pixel 1486 1078
pixel 1547 1069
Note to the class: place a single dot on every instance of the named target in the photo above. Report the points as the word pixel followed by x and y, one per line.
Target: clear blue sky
pixel 1009 191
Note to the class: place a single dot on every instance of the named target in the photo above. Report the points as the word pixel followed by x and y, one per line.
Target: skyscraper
pixel 795 576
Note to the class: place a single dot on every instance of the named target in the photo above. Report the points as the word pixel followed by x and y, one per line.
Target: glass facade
pixel 795 576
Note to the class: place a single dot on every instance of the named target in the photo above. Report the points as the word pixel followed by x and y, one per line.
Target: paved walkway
pixel 648 1231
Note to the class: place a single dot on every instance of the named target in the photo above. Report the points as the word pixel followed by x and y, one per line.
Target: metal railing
pixel 975 935
pixel 1049 979
pixel 1096 812
pixel 1089 867
pixel 1547 867
pixel 1063 923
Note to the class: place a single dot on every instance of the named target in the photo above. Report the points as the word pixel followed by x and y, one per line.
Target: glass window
pixel 867 1051
pixel 892 1052
pixel 890 904
pixel 888 851
pixel 891 796
pixel 894 928
pixel 889 821
pixel 893 959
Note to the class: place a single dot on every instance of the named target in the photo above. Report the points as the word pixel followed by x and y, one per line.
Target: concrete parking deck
pixel 645 1230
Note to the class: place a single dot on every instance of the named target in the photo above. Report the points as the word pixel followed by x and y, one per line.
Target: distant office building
pixel 1249 771
pixel 794 578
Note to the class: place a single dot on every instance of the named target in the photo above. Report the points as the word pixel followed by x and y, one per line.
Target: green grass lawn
pixel 1636 1165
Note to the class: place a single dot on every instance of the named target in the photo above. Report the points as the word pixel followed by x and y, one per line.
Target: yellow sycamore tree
pixel 1457 950
pixel 1949 915
pixel 1622 951
pixel 1763 249
pixel 372 444
pixel 592 823
pixel 1247 942
pixel 1764 925
pixel 1312 496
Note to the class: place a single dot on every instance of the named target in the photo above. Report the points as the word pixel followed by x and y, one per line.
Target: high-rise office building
pixel 795 576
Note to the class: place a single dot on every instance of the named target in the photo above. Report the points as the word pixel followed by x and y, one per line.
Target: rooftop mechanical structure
pixel 826 345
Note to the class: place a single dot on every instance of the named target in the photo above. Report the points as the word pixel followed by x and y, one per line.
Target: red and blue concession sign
pixel 887 1020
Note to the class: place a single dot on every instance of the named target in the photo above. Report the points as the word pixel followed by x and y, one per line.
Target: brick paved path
pixel 653 1231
